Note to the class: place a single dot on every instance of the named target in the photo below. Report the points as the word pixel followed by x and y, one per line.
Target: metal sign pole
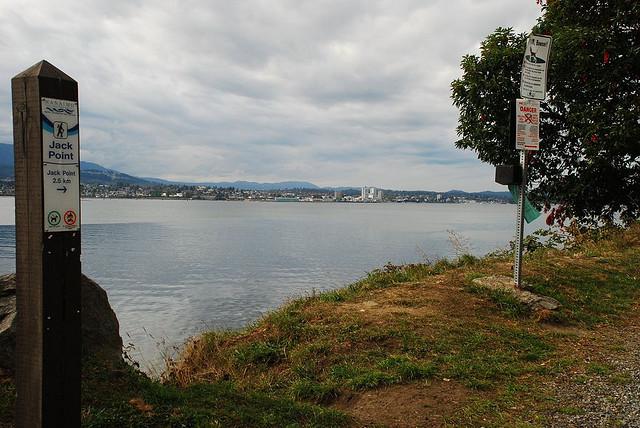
pixel 533 88
pixel 517 266
pixel 47 177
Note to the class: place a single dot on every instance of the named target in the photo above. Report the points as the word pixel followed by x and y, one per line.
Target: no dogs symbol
pixel 70 218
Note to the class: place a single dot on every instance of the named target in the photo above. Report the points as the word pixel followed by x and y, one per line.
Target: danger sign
pixel 527 124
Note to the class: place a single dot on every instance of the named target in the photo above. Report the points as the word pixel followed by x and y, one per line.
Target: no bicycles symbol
pixel 70 218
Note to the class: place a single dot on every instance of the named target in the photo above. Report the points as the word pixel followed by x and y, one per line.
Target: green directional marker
pixel 530 212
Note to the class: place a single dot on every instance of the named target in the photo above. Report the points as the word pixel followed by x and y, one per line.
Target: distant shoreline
pixel 300 201
pixel 303 202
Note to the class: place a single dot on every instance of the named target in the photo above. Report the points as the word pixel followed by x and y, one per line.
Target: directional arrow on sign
pixel 62 189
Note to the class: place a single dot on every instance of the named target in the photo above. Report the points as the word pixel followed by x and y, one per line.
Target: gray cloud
pixel 338 93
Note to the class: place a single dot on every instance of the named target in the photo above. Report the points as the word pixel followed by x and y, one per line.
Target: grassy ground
pixel 415 345
pixel 120 396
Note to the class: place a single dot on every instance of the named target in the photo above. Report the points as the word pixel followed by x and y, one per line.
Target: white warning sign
pixel 60 165
pixel 527 124
pixel 533 78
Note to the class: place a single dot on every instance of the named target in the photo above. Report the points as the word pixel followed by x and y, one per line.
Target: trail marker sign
pixel 527 124
pixel 60 164
pixel 533 78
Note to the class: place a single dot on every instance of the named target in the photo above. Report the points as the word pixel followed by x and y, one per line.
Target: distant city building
pixel 371 194
pixel 337 196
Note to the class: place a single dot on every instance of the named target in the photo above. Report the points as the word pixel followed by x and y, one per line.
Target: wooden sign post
pixel 47 173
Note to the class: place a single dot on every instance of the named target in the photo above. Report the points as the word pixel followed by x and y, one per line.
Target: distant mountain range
pixel 242 185
pixel 90 173
pixel 93 173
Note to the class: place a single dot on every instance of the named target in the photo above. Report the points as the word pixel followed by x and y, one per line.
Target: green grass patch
pixel 407 370
pixel 309 390
pixel 372 379
pixel 621 378
pixel 570 410
pixel 124 397
pixel 259 353
pixel 595 289
pixel 599 369
pixel 482 356
pixel 506 302
pixel 377 370
pixel 7 401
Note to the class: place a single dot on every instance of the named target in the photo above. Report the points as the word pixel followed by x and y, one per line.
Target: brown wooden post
pixel 47 173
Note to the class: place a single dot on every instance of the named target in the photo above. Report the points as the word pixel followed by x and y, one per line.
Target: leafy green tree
pixel 588 166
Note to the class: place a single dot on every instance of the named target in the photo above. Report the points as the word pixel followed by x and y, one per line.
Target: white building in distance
pixel 371 194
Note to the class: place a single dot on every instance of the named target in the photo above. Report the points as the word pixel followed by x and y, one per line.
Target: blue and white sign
pixel 60 165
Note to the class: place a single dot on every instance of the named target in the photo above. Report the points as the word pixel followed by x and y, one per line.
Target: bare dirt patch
pixel 414 405
pixel 434 297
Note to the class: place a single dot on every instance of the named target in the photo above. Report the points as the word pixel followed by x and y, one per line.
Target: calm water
pixel 174 268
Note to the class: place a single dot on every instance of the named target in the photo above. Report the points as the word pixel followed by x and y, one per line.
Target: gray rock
pixel 503 283
pixel 100 328
pixel 7 320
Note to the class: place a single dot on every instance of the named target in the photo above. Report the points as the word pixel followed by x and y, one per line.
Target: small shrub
pixel 442 266
pixel 467 260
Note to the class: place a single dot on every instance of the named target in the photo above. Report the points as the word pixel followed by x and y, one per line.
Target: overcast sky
pixel 333 92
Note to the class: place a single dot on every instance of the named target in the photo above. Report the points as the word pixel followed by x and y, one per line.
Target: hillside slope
pixel 421 345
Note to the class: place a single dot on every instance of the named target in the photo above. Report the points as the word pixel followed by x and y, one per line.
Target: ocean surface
pixel 175 268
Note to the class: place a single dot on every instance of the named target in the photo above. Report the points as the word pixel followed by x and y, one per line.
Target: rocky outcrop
pixel 7 321
pixel 100 328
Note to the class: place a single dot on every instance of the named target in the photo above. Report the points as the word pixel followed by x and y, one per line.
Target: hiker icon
pixel 60 129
